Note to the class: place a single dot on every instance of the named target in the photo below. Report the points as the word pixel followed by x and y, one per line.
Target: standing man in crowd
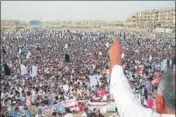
pixel 127 104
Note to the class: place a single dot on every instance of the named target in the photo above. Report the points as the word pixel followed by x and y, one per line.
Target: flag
pixel 28 55
pixel 164 65
pixel 23 69
pixel 150 58
pixel 34 71
pixel 107 44
pixel 19 52
pixel 122 55
pixel 66 46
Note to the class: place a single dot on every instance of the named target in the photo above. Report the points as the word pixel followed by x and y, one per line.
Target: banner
pixel 66 46
pixel 122 55
pixel 66 88
pixel 107 44
pixel 103 106
pixel 98 105
pixel 28 55
pixel 150 58
pixel 111 107
pixel 93 80
pixel 19 52
pixel 72 105
pixel 34 71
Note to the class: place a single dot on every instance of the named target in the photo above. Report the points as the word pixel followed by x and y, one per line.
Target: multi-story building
pixel 154 18
pixel 13 23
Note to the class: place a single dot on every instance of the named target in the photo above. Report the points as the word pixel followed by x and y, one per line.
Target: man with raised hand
pixel 127 104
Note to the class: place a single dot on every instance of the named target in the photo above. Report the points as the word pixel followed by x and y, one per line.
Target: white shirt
pixel 84 115
pixel 127 104
pixel 39 115
pixel 114 115
pixel 69 115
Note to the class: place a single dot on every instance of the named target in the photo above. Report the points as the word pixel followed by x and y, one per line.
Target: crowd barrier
pixel 72 105
pixel 104 107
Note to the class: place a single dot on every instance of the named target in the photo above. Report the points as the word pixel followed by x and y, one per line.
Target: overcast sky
pixel 77 10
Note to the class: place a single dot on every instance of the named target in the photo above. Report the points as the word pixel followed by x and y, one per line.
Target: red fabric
pixel 102 92
pixel 81 107
pixel 150 103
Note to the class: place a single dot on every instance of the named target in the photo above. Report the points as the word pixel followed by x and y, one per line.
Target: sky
pixel 77 10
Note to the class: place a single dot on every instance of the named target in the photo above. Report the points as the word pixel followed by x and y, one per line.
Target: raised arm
pixel 127 104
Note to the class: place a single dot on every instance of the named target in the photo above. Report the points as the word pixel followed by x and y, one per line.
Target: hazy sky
pixel 77 10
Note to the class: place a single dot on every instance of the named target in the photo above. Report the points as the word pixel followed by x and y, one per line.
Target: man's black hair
pixel 54 114
pixel 167 89
pixel 28 93
pixel 67 110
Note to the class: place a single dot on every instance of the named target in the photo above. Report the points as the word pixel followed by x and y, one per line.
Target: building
pixel 35 23
pixel 154 18
pixel 10 22
pixel 13 24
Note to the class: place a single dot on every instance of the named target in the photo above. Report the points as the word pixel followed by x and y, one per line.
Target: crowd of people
pixel 146 56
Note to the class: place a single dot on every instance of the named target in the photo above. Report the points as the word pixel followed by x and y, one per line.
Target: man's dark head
pixel 54 114
pixel 165 98
pixel 67 110
pixel 28 93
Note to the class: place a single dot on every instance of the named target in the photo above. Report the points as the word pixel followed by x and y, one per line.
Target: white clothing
pixel 69 115
pixel 127 104
pixel 23 69
pixel 84 115
pixel 39 115
pixel 122 55
pixel 114 115
pixel 34 71
pixel 28 55
pixel 150 58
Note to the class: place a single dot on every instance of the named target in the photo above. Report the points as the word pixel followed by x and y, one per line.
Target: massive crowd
pixel 145 57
